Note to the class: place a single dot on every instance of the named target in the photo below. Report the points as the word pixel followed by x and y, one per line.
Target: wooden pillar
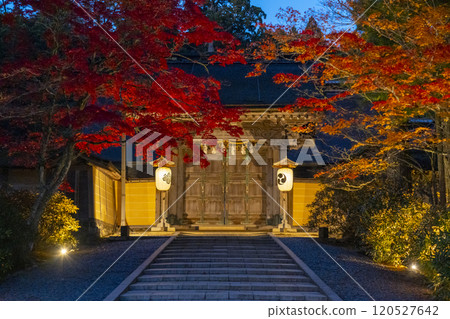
pixel 158 204
pixel 275 191
pixel 269 183
pixel 247 190
pixel 178 187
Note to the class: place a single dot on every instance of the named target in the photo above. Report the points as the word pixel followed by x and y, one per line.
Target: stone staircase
pixel 223 268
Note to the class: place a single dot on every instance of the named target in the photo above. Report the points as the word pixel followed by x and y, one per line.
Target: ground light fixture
pixel 63 251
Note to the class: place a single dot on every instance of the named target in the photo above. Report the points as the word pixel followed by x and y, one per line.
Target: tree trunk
pixel 47 188
pixel 442 169
pixel 434 192
pixel 446 156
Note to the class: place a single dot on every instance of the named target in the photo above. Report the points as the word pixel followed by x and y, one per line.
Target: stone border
pixel 123 286
pixel 309 272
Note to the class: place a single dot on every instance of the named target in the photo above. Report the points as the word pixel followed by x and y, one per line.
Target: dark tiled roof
pixel 239 90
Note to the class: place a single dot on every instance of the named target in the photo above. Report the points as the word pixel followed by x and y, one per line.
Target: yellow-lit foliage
pixel 393 229
pixel 58 224
pixel 433 250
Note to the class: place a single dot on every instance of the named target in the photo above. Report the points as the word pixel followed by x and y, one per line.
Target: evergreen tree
pixel 237 17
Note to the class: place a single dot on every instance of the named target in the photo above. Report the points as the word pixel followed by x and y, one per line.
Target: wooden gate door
pixel 225 194
pixel 205 199
pixel 244 199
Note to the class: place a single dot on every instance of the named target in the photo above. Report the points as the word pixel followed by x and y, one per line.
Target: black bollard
pixel 323 232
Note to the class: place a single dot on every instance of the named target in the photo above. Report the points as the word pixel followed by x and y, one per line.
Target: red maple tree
pixel 76 75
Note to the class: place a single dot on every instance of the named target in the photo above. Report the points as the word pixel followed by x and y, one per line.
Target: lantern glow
pixel 285 179
pixel 163 178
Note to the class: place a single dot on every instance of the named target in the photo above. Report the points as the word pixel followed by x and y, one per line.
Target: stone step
pixel 224 251
pixel 223 238
pixel 223 268
pixel 236 247
pixel 157 264
pixel 224 285
pixel 202 240
pixel 211 240
pixel 221 227
pixel 221 243
pixel 268 259
pixel 151 277
pixel 224 243
pixel 222 255
pixel 187 295
pixel 231 246
pixel 225 247
pixel 228 270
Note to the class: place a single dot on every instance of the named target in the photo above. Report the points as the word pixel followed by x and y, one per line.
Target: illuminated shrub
pixel 393 227
pixel 55 228
pixel 345 213
pixel 393 230
pixel 379 219
pixel 433 254
pixel 57 223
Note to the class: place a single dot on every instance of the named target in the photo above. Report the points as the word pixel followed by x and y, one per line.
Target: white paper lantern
pixel 163 177
pixel 285 179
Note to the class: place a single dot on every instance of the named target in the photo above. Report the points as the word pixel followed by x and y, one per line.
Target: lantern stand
pixel 285 182
pixel 163 181
pixel 124 227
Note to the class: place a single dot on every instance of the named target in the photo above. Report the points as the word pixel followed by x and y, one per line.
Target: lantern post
pixel 124 228
pixel 285 183
pixel 163 181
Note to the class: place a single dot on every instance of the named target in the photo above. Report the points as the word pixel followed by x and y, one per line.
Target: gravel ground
pixel 381 282
pixel 68 278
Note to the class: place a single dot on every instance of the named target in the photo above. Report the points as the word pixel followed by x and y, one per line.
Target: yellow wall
pixel 303 194
pixel 104 197
pixel 140 203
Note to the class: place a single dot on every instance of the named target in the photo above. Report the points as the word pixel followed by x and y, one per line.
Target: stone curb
pixel 332 296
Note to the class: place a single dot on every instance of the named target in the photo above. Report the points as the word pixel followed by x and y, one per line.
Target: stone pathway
pixel 223 268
